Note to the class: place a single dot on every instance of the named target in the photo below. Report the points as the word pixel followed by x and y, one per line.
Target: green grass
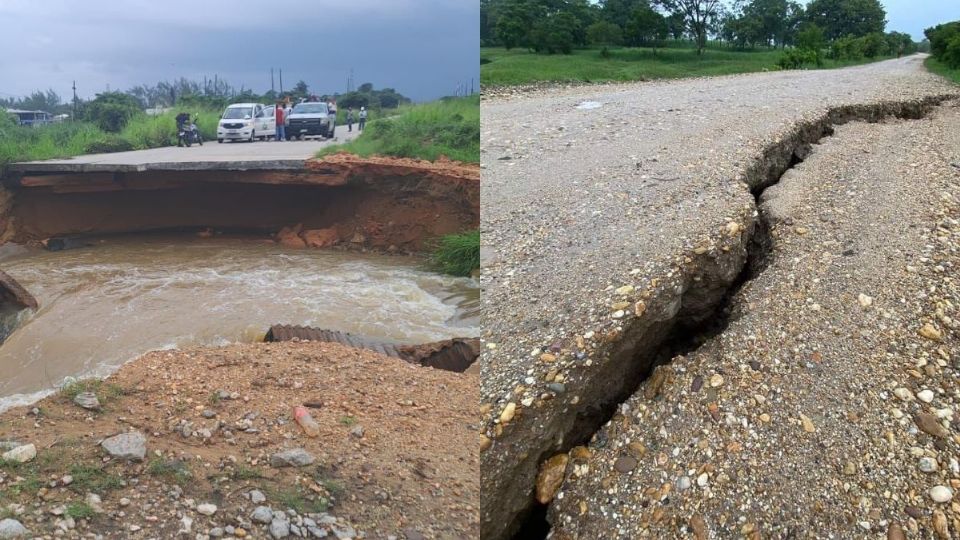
pixel 449 127
pixel 519 66
pixel 105 392
pixel 457 254
pixel 938 67
pixel 242 472
pixel 173 470
pixel 68 139
pixel 87 479
pixel 298 500
pixel 79 510
pixel 348 420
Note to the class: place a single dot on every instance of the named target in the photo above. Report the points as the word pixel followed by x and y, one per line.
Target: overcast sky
pixel 422 48
pixel 913 16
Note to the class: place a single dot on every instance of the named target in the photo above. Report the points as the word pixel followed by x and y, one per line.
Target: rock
pixel 625 464
pixel 262 514
pixel 257 496
pixel 930 332
pixel 864 300
pixel 550 477
pixel 280 526
pixel 11 528
pixel 656 381
pixel 940 525
pixel 684 483
pixel 216 532
pixel 412 534
pixel 21 454
pixel 320 238
pixel 927 465
pixel 508 412
pixel 930 425
pixel 295 457
pixel 699 527
pixel 186 525
pixel 87 400
pixel 807 424
pixel 903 394
pixel 207 413
pixel 925 396
pixel 357 432
pixel 130 446
pixel 207 509
pixel 941 494
pixel 703 480
pixel 913 512
pixel 895 532
pixel 94 502
pixel 716 380
pixel 290 237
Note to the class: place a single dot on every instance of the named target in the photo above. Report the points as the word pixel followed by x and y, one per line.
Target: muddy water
pixel 101 306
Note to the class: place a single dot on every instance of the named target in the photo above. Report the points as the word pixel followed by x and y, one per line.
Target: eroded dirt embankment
pixel 380 203
pixel 670 316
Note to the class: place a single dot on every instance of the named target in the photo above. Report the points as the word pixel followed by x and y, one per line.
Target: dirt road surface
pixel 618 222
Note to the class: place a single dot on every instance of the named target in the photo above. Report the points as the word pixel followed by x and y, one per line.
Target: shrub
pixel 108 143
pixel 457 254
pixel 112 110
pixel 796 58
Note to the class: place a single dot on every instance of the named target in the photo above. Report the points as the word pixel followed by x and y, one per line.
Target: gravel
pixel 590 220
pixel 843 452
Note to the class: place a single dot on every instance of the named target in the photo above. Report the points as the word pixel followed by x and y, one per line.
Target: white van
pixel 247 121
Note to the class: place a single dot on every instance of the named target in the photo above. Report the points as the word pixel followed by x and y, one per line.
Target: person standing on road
pixel 280 119
pixel 349 118
pixel 363 117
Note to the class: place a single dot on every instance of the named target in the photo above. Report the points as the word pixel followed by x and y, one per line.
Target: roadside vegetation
pixel 449 128
pixel 944 50
pixel 457 254
pixel 119 121
pixel 527 41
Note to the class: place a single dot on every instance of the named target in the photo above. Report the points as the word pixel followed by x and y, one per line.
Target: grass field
pixel 940 68
pixel 449 127
pixel 19 143
pixel 519 66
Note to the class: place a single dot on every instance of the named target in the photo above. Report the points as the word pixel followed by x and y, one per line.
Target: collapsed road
pixel 680 221
pixel 377 202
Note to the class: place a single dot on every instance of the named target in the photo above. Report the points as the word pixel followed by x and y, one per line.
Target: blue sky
pixel 422 48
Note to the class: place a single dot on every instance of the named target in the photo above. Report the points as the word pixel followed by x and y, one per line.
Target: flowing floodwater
pixel 101 306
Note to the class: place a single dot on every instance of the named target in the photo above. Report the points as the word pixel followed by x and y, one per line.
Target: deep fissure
pixel 689 331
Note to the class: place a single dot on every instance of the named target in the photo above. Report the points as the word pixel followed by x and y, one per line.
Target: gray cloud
pixel 420 47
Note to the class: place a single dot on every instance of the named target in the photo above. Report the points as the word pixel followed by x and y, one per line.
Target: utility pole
pixel 74 100
pixel 281 79
pixel 271 80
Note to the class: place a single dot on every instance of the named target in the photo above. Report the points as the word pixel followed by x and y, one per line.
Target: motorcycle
pixel 189 134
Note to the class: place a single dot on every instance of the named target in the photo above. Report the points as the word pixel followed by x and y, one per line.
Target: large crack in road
pixel 596 274
pixel 707 307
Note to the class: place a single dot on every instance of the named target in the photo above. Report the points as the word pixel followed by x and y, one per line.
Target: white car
pixel 247 122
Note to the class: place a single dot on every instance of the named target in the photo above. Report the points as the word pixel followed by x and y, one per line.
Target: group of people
pixel 362 116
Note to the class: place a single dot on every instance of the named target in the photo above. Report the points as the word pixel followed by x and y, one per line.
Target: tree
pixel 111 110
pixel 514 23
pixel 365 87
pixel 554 33
pixel 811 39
pixel 604 33
pixel 646 26
pixel 619 12
pixel 840 18
pixel 698 16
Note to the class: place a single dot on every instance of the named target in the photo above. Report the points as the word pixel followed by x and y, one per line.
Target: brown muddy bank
pixel 362 202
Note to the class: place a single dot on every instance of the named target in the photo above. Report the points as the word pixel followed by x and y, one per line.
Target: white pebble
pixel 925 396
pixel 941 494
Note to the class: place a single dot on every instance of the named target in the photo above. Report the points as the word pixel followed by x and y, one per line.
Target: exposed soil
pixel 386 203
pixel 396 454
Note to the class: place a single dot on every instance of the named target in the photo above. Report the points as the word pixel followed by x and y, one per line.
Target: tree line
pixel 945 43
pixel 559 26
pixel 112 110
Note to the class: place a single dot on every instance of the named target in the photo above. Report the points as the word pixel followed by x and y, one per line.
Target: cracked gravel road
pixel 609 232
